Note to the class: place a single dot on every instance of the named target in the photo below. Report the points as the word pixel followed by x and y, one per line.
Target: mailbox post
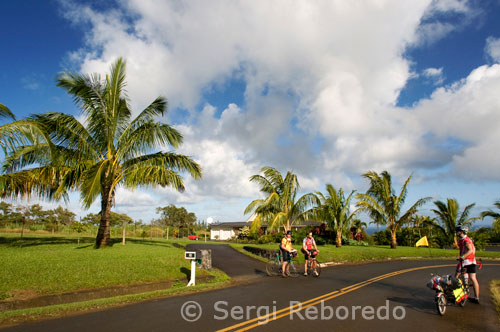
pixel 193 257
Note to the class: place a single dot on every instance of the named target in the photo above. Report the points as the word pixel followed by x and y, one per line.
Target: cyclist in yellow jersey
pixel 286 250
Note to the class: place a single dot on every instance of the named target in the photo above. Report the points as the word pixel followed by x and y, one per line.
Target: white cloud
pixel 493 48
pixel 328 72
pixel 439 19
pixel 435 74
pixel 468 112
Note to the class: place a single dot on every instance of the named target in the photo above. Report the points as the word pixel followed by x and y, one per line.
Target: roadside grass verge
pixel 23 315
pixel 41 265
pixel 495 294
pixel 357 254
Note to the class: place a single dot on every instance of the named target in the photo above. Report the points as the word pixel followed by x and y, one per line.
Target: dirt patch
pixel 22 301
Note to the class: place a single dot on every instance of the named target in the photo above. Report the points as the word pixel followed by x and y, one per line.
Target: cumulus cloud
pixel 493 48
pixel 440 19
pixel 468 112
pixel 435 75
pixel 321 80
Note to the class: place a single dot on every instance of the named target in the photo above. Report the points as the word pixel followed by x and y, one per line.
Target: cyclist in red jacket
pixel 467 254
pixel 309 248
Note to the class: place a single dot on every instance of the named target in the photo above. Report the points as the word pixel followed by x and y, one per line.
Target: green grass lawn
pixel 354 254
pixel 40 265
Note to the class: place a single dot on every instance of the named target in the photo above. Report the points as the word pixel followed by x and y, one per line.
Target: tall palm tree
pixel 384 206
pixel 5 112
pixel 279 208
pixel 110 149
pixel 494 215
pixel 334 208
pixel 449 218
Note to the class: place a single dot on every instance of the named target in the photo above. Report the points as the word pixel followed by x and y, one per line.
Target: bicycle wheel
pixel 273 268
pixel 464 300
pixel 294 269
pixel 441 304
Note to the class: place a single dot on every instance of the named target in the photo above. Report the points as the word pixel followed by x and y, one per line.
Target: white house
pixel 226 230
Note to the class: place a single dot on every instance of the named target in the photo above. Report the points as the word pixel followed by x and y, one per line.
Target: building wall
pixel 221 234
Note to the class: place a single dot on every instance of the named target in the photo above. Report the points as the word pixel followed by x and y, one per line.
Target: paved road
pixel 398 286
pixel 223 257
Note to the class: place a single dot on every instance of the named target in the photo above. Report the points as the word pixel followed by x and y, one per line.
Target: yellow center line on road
pixel 287 309
pixel 314 301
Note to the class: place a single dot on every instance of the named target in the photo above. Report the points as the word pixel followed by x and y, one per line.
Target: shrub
pixel 352 242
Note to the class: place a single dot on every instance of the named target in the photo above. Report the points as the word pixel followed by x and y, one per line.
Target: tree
pixel 334 209
pixel 357 229
pixel 6 211
pixel 25 214
pixel 280 207
pixel 64 216
pixel 384 206
pixel 79 227
pixel 178 217
pixel 494 215
pixel 5 112
pixel 110 149
pixel 448 215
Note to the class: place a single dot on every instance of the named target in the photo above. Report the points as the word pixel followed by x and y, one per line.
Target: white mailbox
pixel 194 257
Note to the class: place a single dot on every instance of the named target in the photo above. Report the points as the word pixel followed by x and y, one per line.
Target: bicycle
pixel 310 270
pixel 274 266
pixel 451 290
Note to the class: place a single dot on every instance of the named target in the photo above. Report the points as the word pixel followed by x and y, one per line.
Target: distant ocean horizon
pixel 373 229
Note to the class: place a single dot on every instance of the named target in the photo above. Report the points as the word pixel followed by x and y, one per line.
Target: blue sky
pixel 327 89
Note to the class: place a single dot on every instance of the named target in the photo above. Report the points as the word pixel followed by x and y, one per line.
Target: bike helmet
pixel 461 228
pixel 288 232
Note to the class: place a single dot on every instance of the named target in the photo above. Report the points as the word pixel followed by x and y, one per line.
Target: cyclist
pixel 307 248
pixel 286 253
pixel 467 255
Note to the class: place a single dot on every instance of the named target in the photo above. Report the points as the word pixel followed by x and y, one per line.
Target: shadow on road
pixel 422 305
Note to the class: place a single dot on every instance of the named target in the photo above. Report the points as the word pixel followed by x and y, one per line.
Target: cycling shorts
pixel 287 257
pixel 309 253
pixel 467 268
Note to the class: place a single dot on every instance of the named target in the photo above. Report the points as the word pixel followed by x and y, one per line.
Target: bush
pixel 352 242
pixel 481 237
pixel 319 240
pixel 270 238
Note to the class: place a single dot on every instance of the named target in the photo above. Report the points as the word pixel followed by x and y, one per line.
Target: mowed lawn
pixel 40 265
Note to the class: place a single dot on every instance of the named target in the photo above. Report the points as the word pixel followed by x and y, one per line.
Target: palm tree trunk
pixel 338 241
pixel 103 235
pixel 394 242
pixel 124 231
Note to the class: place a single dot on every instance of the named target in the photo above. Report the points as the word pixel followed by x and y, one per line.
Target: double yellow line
pixel 255 322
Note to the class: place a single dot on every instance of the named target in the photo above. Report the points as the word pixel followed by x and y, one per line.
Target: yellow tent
pixel 422 242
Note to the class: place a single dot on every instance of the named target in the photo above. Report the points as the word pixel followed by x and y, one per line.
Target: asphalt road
pixel 389 296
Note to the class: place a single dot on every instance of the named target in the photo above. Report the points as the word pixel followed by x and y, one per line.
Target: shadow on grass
pixel 85 242
pixel 148 242
pixel 187 272
pixel 40 241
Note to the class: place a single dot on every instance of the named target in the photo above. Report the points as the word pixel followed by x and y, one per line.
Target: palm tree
pixel 384 206
pixel 448 215
pixel 110 149
pixel 335 210
pixel 6 113
pixel 360 227
pixel 279 208
pixel 494 215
